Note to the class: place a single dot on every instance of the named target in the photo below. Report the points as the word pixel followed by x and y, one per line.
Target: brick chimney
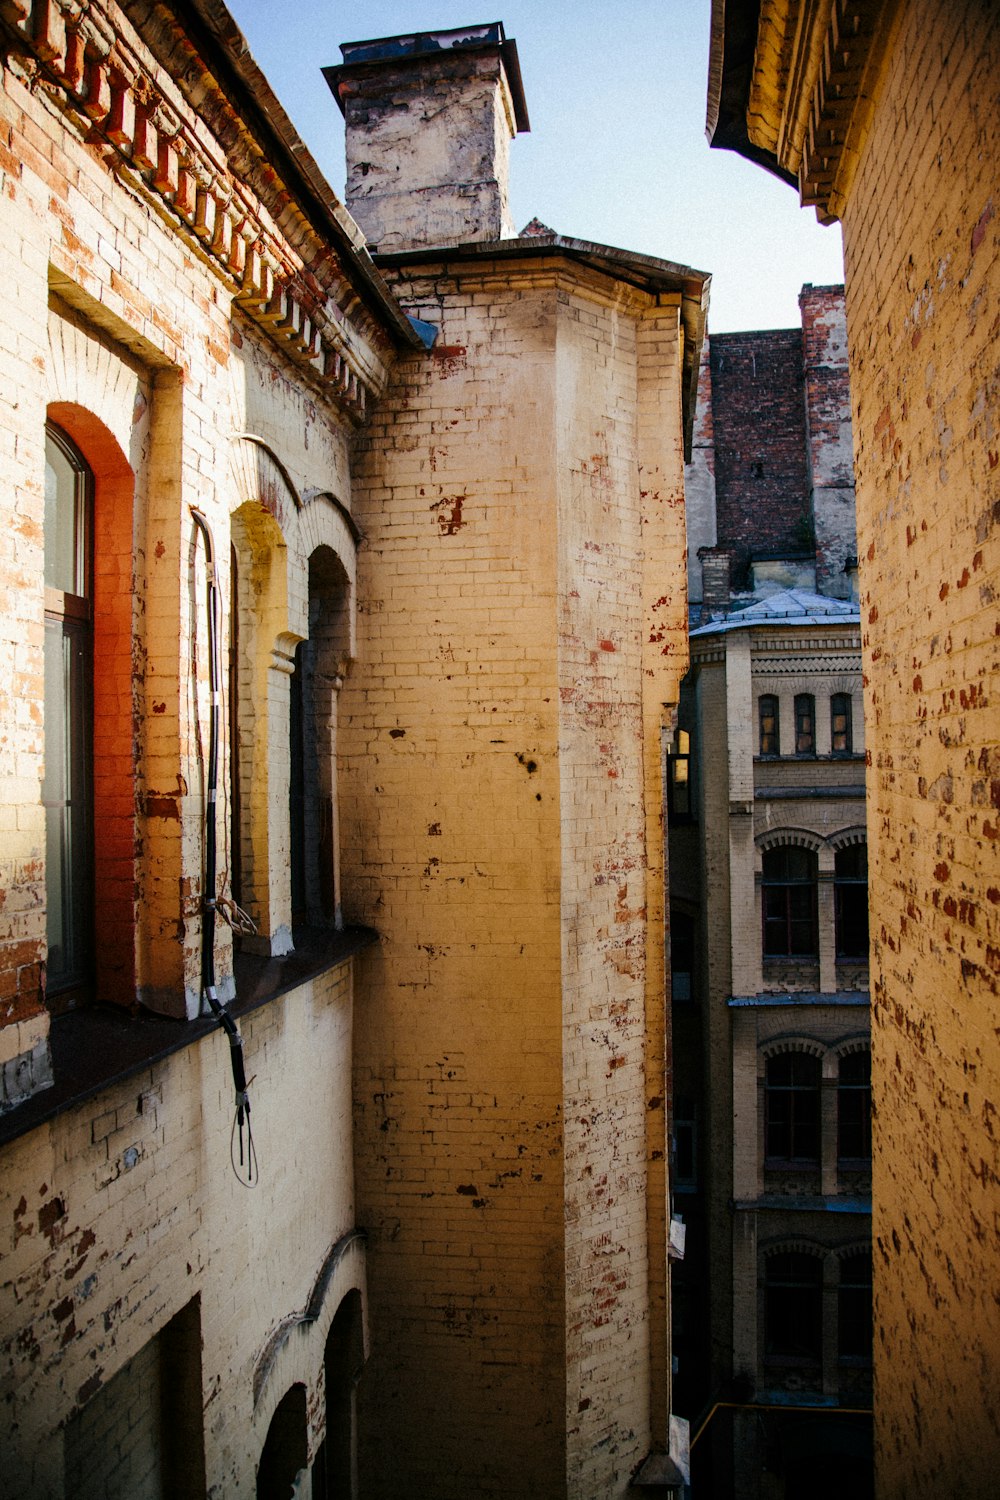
pixel 430 118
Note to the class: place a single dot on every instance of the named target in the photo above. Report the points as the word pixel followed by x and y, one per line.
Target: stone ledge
pixel 98 1045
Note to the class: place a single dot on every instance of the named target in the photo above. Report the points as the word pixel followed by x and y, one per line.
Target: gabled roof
pixel 788 607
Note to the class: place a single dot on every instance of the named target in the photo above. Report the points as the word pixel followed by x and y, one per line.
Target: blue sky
pixel 617 150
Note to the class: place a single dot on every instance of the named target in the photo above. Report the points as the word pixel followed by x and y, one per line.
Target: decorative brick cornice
pixel 840 101
pixel 215 185
pixel 813 68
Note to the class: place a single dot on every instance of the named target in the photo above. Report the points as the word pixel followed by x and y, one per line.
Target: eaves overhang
pixel 732 48
pixel 792 86
pixel 227 54
pixel 647 273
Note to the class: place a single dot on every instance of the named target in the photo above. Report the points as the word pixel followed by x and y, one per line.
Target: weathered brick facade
pixel 902 148
pixel 451 620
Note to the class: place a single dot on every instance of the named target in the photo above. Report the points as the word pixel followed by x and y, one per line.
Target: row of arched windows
pixel 91 726
pixel 794 1284
pixel 804 725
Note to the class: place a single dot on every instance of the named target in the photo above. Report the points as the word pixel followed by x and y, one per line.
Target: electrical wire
pixel 247 1170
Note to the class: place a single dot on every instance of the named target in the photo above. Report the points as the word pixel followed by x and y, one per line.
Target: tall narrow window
pixel 767 709
pixel 854 1108
pixel 841 741
pixel 789 902
pixel 850 886
pixel 791 1109
pixel 313 813
pixel 805 724
pixel 67 789
pixel 854 1298
pixel 680 807
pixel 793 1308
pixel 685 1144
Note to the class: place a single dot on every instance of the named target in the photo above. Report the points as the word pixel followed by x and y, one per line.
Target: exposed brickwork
pixel 761 477
pixel 903 148
pixel 514 984
pixel 922 292
pixel 828 430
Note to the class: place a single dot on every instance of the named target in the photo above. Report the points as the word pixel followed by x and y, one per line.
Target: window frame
pixel 805 726
pixel 854 1095
pixel 769 741
pixel 789 901
pixel 850 889
pixel 847 732
pixel 855 1322
pixel 799 1114
pixel 680 765
pixel 800 1298
pixel 69 626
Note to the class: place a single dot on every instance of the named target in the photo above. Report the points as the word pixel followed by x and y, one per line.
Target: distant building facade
pixel 769 927
pixel 884 116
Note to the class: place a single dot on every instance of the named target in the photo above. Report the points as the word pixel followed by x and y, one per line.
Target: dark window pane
pixel 792 1108
pixel 805 725
pixel 840 724
pixel 793 1307
pixel 851 902
pixel 789 902
pixel 854 1307
pixel 854 1107
pixel 768 712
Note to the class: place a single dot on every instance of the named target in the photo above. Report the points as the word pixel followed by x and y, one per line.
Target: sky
pixel 617 150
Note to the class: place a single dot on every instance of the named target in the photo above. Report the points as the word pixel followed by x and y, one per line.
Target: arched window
pixel 792 1109
pixel 789 902
pixel 841 739
pixel 805 724
pixel 313 813
pixel 335 1471
pixel 285 1452
pixel 68 785
pixel 850 885
pixel 854 1107
pixel 767 718
pixel 793 1308
pixel 854 1308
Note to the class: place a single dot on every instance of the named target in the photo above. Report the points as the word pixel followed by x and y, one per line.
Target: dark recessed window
pixel 854 1308
pixel 681 957
pixel 767 711
pixel 841 741
pixel 789 902
pixel 854 1107
pixel 793 1307
pixel 680 802
pixel 792 1109
pixel 850 886
pixel 685 1144
pixel 805 724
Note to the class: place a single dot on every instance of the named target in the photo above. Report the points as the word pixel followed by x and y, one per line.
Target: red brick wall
pixel 761 475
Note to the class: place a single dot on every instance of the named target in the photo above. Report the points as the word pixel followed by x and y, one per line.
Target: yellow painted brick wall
pixel 921 242
pixel 495 834
pixel 120 1210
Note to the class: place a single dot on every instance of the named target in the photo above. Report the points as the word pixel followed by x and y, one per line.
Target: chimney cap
pixel 412 47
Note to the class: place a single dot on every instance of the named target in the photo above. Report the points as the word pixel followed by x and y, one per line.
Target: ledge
pixel 98 1045
pixel 811 1203
pixel 772 998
